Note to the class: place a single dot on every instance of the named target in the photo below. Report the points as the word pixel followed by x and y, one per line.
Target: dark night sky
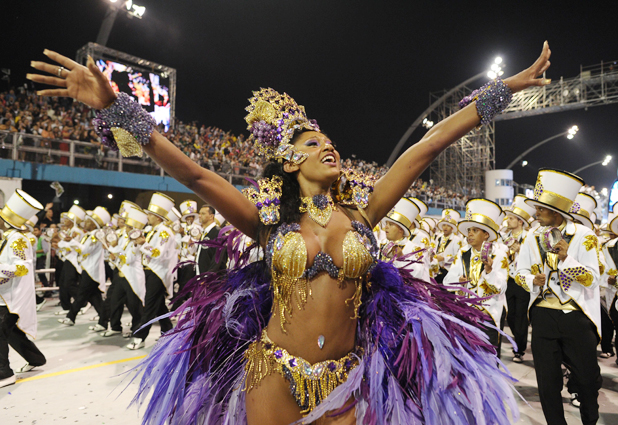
pixel 363 69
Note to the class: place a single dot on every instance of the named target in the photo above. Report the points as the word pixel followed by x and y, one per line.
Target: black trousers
pixel 607 331
pixel 88 292
pixel 613 314
pixel 69 284
pixel 154 305
pixel 495 338
pixel 11 335
pixel 106 307
pixel 185 274
pixel 40 264
pixel 58 265
pixel 571 338
pixel 517 299
pixel 123 294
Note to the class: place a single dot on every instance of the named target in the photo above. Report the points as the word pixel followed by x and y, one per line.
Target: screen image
pixel 149 89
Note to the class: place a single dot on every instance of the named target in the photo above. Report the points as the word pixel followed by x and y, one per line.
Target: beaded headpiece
pixel 267 199
pixel 273 118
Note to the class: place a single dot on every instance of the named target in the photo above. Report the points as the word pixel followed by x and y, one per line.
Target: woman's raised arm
pixel 90 86
pixel 396 182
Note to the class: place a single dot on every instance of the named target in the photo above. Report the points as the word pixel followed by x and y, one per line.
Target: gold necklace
pixel 319 207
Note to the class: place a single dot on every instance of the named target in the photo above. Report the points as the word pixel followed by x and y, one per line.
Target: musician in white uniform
pixel 91 259
pixel 17 297
pixel 517 298
pixel 191 233
pixel 159 257
pixel 485 277
pixel 610 252
pixel 397 226
pixel 564 307
pixel 448 243
pixel 70 277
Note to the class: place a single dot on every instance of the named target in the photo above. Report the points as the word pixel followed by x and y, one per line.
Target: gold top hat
pixel 100 216
pixel 136 218
pixel 19 208
pixel 403 214
pixel 582 209
pixel 449 218
pixel 160 205
pixel 483 214
pixel 521 210
pixel 76 214
pixel 556 190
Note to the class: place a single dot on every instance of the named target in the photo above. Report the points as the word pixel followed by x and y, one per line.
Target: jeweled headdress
pixel 273 118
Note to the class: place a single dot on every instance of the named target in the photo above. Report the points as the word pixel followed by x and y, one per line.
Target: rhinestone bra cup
pixel 286 254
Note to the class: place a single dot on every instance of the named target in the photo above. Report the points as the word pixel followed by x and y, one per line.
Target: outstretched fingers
pixel 52 81
pixel 62 60
pixel 45 67
pixel 54 92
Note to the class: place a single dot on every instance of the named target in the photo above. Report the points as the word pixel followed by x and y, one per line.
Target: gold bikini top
pixel 286 254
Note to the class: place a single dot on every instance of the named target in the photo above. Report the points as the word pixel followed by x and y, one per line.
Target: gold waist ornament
pixel 310 383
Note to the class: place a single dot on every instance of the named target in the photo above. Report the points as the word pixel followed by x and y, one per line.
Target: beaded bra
pixel 286 254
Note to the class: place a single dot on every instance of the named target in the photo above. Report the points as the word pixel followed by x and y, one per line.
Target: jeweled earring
pixel 267 199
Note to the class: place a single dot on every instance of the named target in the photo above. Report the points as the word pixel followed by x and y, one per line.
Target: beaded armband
pixel 491 99
pixel 124 126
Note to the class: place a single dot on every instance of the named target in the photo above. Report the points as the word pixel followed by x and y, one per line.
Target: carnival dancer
pixel 17 295
pixel 483 268
pixel 130 277
pixel 448 243
pixel 610 251
pixel 91 260
pixel 71 271
pixel 518 218
pixel 397 225
pixel 159 258
pixel 399 350
pixel 563 280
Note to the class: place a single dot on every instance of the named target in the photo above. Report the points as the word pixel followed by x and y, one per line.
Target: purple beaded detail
pixel 126 114
pixel 281 231
pixel 320 201
pixel 278 354
pixel 491 99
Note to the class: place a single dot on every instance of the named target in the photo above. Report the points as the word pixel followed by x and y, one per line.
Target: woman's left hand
pixel 529 77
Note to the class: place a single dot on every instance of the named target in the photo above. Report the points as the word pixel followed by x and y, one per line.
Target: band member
pixel 91 259
pixel 483 268
pixel 17 297
pixel 610 251
pixel 159 257
pixel 191 232
pixel 562 277
pixel 448 243
pixel 397 226
pixel 131 280
pixel 517 298
pixel 71 234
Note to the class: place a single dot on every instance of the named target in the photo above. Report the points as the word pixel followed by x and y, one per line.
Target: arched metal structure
pixel 462 166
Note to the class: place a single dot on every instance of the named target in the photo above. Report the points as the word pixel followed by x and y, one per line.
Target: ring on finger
pixel 59 72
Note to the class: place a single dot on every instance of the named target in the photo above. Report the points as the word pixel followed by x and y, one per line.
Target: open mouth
pixel 329 159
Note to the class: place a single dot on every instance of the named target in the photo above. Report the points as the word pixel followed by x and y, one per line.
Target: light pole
pixel 128 6
pixel 603 162
pixel 495 71
pixel 570 133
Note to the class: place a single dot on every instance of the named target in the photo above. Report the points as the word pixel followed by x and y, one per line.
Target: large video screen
pixel 149 89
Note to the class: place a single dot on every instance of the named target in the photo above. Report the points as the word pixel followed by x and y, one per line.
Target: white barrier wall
pixel 499 187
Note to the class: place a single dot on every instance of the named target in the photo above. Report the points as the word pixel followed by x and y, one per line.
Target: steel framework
pixel 462 166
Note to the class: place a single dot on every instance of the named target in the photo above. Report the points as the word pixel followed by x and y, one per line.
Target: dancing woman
pixel 320 331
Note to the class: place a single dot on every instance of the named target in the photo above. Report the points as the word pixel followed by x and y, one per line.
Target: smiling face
pixel 323 163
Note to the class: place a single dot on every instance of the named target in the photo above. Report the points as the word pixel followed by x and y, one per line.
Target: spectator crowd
pixel 60 119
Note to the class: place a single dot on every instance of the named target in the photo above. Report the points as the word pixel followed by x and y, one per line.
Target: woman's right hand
pixel 84 84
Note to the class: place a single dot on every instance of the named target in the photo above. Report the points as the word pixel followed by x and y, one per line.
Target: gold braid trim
pixel 288 292
pixel 309 384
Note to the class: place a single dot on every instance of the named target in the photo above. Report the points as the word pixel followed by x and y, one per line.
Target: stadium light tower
pixel 570 133
pixel 131 9
pixel 603 162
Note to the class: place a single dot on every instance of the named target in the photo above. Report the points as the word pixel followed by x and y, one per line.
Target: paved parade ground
pixel 84 378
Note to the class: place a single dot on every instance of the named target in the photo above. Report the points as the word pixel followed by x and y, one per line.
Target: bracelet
pixel 491 99
pixel 124 126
